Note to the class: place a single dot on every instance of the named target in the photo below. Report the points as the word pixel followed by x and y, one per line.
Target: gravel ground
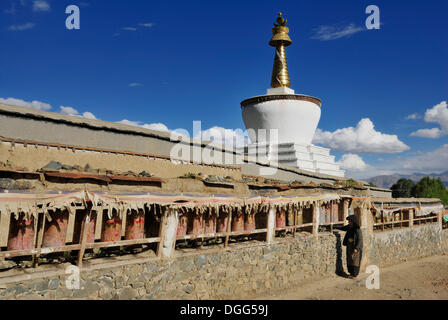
pixel 420 279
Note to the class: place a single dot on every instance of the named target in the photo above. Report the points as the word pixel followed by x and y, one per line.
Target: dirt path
pixel 417 279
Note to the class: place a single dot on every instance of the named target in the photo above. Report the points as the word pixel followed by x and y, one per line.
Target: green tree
pixel 431 188
pixel 402 188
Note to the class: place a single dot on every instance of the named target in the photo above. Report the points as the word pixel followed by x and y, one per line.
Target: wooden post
pixel 411 218
pixel 345 212
pixel 162 229
pixel 83 235
pixel 401 218
pixel 5 222
pixel 296 211
pixel 40 237
pixel 270 234
pixel 203 227
pixel 331 217
pixel 168 239
pixel 316 219
pixel 229 228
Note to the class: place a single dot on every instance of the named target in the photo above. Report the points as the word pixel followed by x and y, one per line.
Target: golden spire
pixel 280 40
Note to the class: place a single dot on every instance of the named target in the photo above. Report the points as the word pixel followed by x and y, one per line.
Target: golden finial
pixel 280 40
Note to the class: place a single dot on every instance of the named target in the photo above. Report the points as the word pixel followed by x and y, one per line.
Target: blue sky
pixel 170 63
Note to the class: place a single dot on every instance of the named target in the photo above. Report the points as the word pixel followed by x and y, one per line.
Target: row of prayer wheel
pixel 329 213
pixel 391 217
pixel 211 223
pixel 22 233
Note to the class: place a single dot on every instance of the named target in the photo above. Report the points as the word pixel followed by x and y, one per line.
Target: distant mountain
pixel 388 181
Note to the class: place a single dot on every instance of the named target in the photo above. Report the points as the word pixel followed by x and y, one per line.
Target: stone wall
pixel 236 272
pixel 391 247
pixel 239 271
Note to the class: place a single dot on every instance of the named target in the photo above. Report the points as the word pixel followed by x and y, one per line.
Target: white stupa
pixel 295 116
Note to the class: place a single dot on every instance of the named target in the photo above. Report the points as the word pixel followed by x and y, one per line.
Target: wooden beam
pixel 162 229
pixel 83 235
pixel 296 212
pixel 40 238
pixel 229 227
pixel 316 219
pixel 345 212
pixel 270 234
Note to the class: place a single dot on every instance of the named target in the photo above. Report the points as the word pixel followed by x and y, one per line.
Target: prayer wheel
pixel 135 225
pixel 335 212
pixel 21 233
pixel 327 213
pixel 249 222
pixel 238 222
pixel 290 217
pixel 182 226
pixel 111 228
pixel 280 219
pixel 55 230
pixel 299 217
pixel 195 226
pixel 210 223
pixel 222 222
pixel 80 215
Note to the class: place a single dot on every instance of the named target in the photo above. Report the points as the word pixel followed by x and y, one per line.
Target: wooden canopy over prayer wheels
pixel 55 230
pixel 135 225
pixel 21 233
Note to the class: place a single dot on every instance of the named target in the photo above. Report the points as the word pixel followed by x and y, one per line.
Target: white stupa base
pixel 302 156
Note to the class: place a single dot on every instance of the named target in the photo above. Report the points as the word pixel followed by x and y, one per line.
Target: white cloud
pixel 41 5
pixel 151 126
pixel 361 139
pixel 413 116
pixel 325 33
pixel 223 136
pixel 147 25
pixel 352 162
pixel 21 27
pixel 89 115
pixel 156 127
pixel 73 112
pixel 45 106
pixel 437 114
pixel 130 28
pixel 33 105
pixel 433 161
pixel 68 111
pixel 135 84
pixel 433 133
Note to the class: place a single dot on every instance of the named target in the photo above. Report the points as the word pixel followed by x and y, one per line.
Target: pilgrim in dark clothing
pixel 353 242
